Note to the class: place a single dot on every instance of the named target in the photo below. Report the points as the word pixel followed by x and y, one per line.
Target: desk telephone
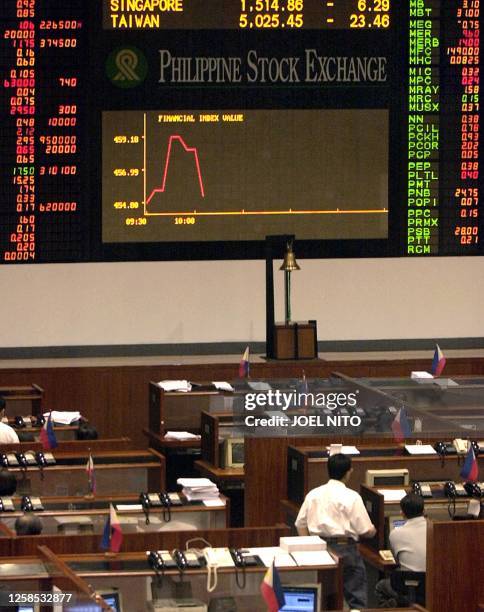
pixel 453 490
pixel 160 560
pixel 6 504
pixel 422 489
pixel 42 458
pixel 9 460
pixel 31 504
pixel 162 499
pixel 458 446
pixel 473 489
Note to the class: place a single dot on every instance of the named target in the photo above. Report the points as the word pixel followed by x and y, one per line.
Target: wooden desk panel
pixel 455 566
pixel 312 472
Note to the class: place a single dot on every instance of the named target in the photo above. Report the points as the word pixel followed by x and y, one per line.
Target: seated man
pixel 339 516
pixel 7 433
pixel 28 524
pixel 8 483
pixel 408 544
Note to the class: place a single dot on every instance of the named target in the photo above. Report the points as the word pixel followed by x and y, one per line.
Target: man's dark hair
pixel 338 466
pixel 8 482
pixel 86 432
pixel 3 403
pixel 412 505
pixel 28 524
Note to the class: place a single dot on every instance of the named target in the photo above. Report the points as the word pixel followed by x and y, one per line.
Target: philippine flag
pixel 401 426
pixel 244 365
pixel 112 535
pixel 438 362
pixel 470 469
pixel 47 435
pixel 271 590
pixel 91 476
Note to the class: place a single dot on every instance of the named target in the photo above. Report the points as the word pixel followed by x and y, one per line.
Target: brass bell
pixel 289 264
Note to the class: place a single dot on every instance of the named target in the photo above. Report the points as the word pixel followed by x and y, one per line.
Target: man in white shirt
pixel 339 516
pixel 7 433
pixel 408 544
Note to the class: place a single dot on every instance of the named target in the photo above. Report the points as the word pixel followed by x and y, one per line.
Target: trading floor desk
pixel 75 515
pixel 307 467
pixel 115 471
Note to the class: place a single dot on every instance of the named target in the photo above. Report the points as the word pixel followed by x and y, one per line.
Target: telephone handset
pixel 155 561
pixel 31 504
pixel 238 557
pixel 22 460
pixel 19 422
pixel 39 420
pixel 473 489
pixel 165 499
pixel 42 458
pixel 8 460
pixel 6 504
pixel 453 490
pixel 460 445
pixel 180 560
pixel 423 490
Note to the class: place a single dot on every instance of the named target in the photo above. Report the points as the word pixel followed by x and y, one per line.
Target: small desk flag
pixel 438 362
pixel 401 426
pixel 271 589
pixel 91 476
pixel 244 365
pixel 112 535
pixel 47 434
pixel 470 469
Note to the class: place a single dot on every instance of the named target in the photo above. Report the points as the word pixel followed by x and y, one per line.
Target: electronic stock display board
pixel 185 129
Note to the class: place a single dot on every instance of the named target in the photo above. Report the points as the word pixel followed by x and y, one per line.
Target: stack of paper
pixel 175 385
pixel 181 435
pixel 63 417
pixel 198 489
pixel 392 495
pixel 223 386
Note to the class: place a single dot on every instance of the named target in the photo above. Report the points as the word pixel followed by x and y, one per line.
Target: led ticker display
pixel 246 14
pixel 158 129
pixel 42 111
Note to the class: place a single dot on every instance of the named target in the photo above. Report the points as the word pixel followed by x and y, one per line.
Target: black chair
pixel 410 587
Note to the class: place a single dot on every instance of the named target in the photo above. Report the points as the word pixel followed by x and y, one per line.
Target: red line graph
pixel 188 149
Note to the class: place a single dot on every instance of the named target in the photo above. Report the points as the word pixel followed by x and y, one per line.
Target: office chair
pixel 410 587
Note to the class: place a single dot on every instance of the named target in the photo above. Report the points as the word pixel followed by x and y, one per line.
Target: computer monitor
pixel 382 478
pixel 113 599
pixel 302 598
pixel 234 452
pixel 395 521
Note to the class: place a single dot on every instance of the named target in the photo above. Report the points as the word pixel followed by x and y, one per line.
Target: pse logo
pixel 126 67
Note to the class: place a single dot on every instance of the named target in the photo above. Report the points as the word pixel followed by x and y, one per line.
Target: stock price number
pixel 271 14
pixel 371 14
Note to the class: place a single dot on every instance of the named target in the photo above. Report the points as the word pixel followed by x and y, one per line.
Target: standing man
pixel 338 515
pixel 7 433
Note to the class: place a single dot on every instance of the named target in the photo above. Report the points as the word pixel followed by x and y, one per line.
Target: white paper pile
pixel 198 489
pixel 181 435
pixel 63 417
pixel 175 385
pixel 223 386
